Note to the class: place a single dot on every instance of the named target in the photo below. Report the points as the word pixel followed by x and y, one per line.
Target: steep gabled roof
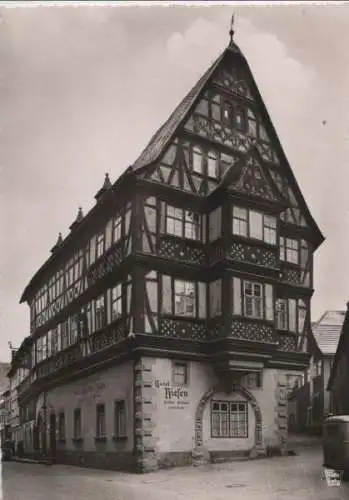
pixel 162 138
pixel 327 331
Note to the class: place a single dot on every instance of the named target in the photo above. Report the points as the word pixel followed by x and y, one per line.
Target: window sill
pixel 101 439
pixel 119 438
pixel 253 241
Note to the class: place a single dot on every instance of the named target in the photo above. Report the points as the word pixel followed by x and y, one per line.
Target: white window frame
pixel 254 299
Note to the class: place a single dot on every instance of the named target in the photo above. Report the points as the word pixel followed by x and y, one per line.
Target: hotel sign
pixel 174 397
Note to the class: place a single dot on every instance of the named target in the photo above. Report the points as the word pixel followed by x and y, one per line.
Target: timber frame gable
pixel 237 144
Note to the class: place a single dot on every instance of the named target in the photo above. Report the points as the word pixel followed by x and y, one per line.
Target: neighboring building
pixel 5 427
pixel 310 403
pixel 182 296
pixel 17 373
pixel 338 384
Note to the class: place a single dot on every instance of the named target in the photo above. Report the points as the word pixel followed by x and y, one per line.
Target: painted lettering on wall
pixel 174 397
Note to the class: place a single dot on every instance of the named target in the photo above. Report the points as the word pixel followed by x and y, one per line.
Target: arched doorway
pixel 238 389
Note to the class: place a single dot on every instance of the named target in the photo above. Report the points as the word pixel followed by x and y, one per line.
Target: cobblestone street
pixel 297 478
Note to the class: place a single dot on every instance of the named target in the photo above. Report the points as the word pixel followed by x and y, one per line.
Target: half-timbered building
pixel 165 325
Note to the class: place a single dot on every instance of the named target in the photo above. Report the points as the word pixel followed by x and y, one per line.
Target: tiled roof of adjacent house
pixel 328 330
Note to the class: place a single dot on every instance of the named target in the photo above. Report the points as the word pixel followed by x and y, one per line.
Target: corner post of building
pixel 145 442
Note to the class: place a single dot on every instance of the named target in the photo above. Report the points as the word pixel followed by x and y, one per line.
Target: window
pixel 240 221
pixel 197 160
pixel 73 333
pixel 286 311
pixel 117 229
pixel 253 380
pixel 100 420
pixel 77 423
pixel 253 299
pixel 229 419
pixel 212 164
pixel 116 302
pixel 183 223
pixel 61 426
pixel 100 244
pixel 240 119
pixel 254 224
pixel 180 374
pixel 119 419
pixel 184 296
pixel 99 312
pixel 289 250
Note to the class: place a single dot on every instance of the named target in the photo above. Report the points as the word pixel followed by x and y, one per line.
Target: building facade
pixel 338 384
pixel 182 296
pixel 310 402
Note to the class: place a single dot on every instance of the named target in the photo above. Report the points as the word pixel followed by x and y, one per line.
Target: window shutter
pixel 216 298
pixel 292 315
pixel 166 306
pixel 203 228
pixel 202 300
pixel 109 305
pixel 162 217
pixel 215 223
pixel 108 234
pixel 92 249
pixel 269 303
pixel 237 296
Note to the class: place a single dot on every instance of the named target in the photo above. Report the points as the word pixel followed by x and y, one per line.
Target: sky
pixel 83 88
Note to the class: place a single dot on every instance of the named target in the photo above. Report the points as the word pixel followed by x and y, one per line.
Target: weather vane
pixel 231 32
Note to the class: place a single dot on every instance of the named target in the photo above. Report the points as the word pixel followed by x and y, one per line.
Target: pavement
pixel 299 477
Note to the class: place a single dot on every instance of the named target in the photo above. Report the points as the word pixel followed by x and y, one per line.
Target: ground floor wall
pixel 178 424
pixel 176 412
pixel 82 425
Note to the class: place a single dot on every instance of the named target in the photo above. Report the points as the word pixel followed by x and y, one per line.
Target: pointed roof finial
pixel 231 32
pixel 107 183
pixel 80 215
pixel 60 239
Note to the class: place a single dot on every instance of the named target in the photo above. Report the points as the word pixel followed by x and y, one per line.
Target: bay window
pixel 183 223
pixel 183 298
pixel 252 299
pixel 253 224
